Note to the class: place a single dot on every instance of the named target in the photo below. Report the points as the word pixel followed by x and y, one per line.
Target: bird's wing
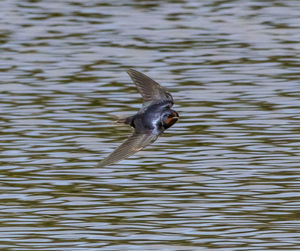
pixel 133 144
pixel 150 90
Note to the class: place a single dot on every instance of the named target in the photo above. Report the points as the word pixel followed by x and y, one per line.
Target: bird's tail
pixel 123 119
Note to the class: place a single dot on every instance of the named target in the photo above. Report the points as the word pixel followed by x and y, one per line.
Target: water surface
pixel 226 176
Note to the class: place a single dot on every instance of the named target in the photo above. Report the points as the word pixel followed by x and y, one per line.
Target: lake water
pixel 225 177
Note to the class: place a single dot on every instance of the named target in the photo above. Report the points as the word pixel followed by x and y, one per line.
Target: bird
pixel 149 122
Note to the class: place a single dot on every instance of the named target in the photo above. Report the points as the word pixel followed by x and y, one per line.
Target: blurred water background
pixel 225 177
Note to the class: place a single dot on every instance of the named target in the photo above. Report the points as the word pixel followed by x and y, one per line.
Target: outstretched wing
pixel 133 144
pixel 150 90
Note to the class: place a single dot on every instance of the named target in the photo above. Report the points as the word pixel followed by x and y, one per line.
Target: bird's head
pixel 169 118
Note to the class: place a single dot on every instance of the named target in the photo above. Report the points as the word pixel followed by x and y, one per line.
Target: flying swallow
pixel 149 122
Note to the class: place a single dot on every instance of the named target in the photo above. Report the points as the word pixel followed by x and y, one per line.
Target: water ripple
pixel 225 177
